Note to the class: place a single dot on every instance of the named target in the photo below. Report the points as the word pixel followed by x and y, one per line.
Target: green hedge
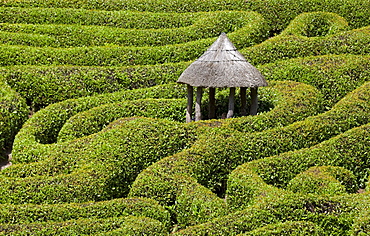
pixel 207 25
pixel 334 76
pixel 316 24
pixel 288 228
pixel 130 225
pixel 97 167
pixel 278 12
pixel 74 16
pixel 348 170
pixel 292 46
pixel 13 113
pixel 43 127
pixel 92 121
pixel 119 56
pixel 334 215
pixel 215 154
pixel 29 213
pixel 44 85
pixel 291 102
pixel 324 180
pixel 277 48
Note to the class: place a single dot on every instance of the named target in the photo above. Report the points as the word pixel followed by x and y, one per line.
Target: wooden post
pixel 254 101
pixel 212 103
pixel 243 98
pixel 198 104
pixel 189 108
pixel 230 112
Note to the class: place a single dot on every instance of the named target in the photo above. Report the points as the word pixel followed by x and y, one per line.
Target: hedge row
pixel 303 101
pixel 13 113
pixel 292 46
pixel 45 85
pixel 334 76
pixel 334 215
pixel 316 24
pixel 68 118
pixel 130 225
pixel 122 207
pixel 343 158
pixel 287 228
pixel 97 167
pixel 276 48
pixel 43 127
pixel 205 26
pixel 73 16
pixel 290 102
pixel 93 120
pixel 278 12
pixel 214 155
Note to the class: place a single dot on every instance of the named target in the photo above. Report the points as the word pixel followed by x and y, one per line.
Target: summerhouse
pixel 221 66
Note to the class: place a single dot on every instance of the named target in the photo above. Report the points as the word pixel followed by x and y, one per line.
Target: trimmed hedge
pixel 44 85
pixel 291 102
pixel 206 25
pixel 324 180
pixel 13 113
pixel 215 154
pixel 252 33
pixel 277 48
pixel 288 228
pixel 283 46
pixel 43 127
pixel 334 215
pixel 97 167
pixel 122 207
pixel 334 76
pixel 130 225
pixel 278 12
pixel 92 121
pixel 316 24
pixel 74 16
pixel 247 183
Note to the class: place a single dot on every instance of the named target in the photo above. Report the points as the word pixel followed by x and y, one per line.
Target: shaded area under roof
pixel 222 66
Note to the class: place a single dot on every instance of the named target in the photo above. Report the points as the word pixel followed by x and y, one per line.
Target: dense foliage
pixel 95 123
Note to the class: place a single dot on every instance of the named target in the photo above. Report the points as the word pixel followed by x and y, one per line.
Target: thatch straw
pixel 222 66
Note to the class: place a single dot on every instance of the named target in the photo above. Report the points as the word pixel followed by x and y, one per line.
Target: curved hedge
pixel 217 153
pixel 121 56
pixel 278 12
pixel 97 167
pixel 292 46
pixel 76 159
pixel 333 75
pixel 288 228
pixel 45 85
pixel 44 126
pixel 130 225
pixel 13 113
pixel 207 25
pixel 122 207
pixel 74 16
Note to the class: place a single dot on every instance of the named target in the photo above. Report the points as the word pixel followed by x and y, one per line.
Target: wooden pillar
pixel 230 112
pixel 212 104
pixel 198 104
pixel 189 108
pixel 243 98
pixel 254 101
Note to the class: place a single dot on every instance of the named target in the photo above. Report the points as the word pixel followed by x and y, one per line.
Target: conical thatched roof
pixel 222 66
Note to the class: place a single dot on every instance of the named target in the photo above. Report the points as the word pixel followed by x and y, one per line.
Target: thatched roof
pixel 222 66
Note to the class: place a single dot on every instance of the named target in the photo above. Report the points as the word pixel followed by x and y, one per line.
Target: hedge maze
pixel 94 121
